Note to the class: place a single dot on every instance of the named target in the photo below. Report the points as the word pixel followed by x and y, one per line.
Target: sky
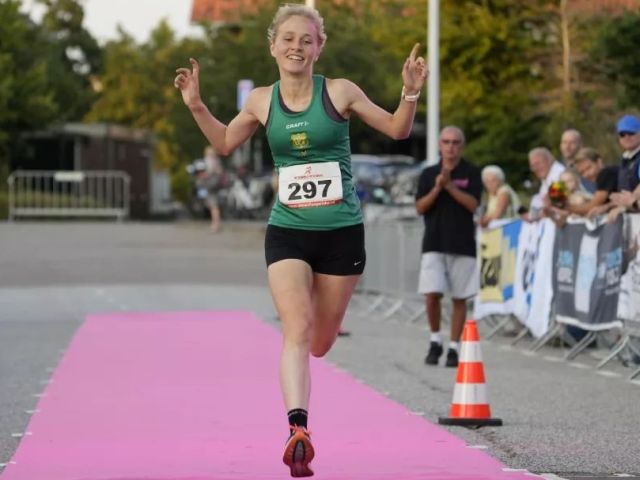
pixel 137 17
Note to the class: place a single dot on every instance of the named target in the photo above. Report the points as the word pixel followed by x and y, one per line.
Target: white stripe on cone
pixel 470 394
pixel 470 352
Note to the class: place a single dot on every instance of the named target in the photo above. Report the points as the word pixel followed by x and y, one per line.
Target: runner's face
pixel 296 45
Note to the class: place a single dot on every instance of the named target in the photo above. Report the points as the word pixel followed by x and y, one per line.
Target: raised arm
pixel 224 139
pixel 396 125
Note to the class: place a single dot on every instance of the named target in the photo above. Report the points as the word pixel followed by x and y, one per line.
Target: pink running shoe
pixel 298 452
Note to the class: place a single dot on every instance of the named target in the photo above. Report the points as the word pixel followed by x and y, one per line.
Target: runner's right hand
pixel 187 81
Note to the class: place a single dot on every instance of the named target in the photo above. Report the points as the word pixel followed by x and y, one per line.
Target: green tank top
pixel 311 137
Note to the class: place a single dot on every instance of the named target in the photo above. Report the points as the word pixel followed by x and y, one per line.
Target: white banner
pixel 629 299
pixel 533 292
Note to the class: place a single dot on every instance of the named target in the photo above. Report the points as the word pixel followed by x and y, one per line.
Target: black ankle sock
pixel 298 417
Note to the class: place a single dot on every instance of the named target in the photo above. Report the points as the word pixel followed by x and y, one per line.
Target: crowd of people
pixel 589 186
pixel 579 184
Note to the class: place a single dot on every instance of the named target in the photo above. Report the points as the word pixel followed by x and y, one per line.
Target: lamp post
pixel 433 97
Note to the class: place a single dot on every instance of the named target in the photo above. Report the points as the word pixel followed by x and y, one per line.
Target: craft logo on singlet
pixel 300 141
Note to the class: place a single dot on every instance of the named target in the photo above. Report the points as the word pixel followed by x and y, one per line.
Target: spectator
pixel 629 174
pixel 576 196
pixel 590 166
pixel 570 144
pixel 209 179
pixel 447 196
pixel 502 200
pixel 546 169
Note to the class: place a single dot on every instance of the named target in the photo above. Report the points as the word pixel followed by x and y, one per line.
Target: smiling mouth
pixel 295 58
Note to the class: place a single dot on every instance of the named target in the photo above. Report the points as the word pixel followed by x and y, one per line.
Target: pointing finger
pixel 414 52
pixel 195 65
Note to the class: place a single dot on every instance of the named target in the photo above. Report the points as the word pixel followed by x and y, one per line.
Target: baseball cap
pixel 629 123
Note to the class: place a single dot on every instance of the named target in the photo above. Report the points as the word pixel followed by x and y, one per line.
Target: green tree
pixel 74 56
pixel 25 99
pixel 136 90
pixel 492 67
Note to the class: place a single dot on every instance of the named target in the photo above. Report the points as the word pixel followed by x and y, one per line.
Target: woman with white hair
pixel 502 200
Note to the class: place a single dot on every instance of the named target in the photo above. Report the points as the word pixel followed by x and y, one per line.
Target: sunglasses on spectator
pixel 450 142
pixel 626 134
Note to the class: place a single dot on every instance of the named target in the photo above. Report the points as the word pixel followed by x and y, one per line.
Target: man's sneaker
pixel 435 350
pixel 298 452
pixel 452 358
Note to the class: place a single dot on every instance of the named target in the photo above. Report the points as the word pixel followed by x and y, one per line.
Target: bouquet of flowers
pixel 558 194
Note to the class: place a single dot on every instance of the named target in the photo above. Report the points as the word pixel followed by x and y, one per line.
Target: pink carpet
pixel 195 396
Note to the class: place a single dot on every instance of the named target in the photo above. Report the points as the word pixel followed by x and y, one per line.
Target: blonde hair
pixel 574 176
pixel 289 10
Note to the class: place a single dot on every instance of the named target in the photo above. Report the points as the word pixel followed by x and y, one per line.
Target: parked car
pixel 376 175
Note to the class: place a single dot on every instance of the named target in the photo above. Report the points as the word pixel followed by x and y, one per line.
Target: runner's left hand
pixel 414 72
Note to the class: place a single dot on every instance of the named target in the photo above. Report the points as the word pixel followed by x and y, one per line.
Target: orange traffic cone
pixel 470 406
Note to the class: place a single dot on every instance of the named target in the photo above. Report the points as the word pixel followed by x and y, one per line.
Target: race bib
pixel 310 185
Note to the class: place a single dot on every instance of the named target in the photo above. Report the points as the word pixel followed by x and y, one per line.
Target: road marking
pixel 579 365
pixel 549 358
pixel 606 373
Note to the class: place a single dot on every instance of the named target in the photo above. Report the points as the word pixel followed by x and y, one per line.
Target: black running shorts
pixel 332 252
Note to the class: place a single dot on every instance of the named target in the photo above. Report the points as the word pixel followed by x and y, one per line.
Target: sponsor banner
pixel 532 290
pixel 629 298
pixel 587 264
pixel 497 253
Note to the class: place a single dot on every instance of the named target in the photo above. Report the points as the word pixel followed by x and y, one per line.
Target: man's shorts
pixel 332 252
pixel 455 275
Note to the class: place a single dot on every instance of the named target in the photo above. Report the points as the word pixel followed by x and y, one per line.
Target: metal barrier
pixel 390 280
pixel 388 290
pixel 39 193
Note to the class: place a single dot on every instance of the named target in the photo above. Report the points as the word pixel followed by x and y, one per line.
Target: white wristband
pixel 409 98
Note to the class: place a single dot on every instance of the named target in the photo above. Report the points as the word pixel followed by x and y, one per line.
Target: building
pixel 97 147
pixel 594 7
pixel 220 11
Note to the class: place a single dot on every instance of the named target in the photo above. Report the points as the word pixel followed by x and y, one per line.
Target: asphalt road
pixel 562 419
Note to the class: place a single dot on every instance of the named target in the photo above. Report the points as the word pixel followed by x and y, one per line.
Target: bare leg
pixel 458 317
pixel 434 311
pixel 331 295
pixel 291 284
pixel 215 218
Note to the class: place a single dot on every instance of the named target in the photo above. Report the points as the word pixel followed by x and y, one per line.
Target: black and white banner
pixel 587 264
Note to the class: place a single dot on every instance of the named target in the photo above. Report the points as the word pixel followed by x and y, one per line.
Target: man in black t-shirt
pixel 447 196
pixel 590 166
